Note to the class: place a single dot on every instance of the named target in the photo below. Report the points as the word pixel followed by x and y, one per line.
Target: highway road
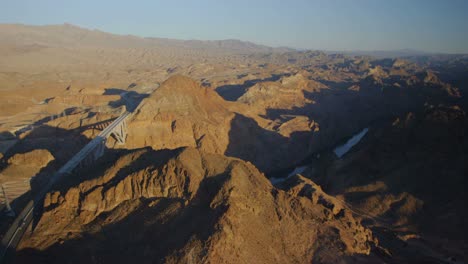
pixel 18 228
pixel 93 149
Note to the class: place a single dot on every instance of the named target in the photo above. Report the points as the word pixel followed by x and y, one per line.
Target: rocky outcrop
pixel 26 165
pixel 172 194
pixel 407 175
pixel 188 206
pixel 287 93
pixel 37 157
pixel 181 113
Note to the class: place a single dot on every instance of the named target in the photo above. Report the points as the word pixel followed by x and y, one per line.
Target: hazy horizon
pixel 363 26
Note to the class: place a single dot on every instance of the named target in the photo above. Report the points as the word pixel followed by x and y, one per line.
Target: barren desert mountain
pixel 231 152
pixel 404 190
pixel 205 207
pixel 286 93
pixel 181 113
pixel 68 35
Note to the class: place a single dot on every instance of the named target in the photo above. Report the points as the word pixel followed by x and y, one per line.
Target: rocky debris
pixel 186 205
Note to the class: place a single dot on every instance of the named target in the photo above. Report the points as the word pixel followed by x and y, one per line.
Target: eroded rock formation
pixel 185 205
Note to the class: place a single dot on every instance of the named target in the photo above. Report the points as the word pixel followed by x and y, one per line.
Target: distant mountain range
pixel 67 35
pixel 388 53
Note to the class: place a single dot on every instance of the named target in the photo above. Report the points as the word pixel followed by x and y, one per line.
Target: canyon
pixel 233 152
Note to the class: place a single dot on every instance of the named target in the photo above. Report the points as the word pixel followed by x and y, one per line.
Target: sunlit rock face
pixel 181 113
pixel 205 207
pixel 25 165
pixel 219 118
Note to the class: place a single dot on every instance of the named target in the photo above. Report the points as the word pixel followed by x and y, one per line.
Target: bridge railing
pixel 95 147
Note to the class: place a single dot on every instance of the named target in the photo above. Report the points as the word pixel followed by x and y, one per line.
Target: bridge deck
pixel 24 219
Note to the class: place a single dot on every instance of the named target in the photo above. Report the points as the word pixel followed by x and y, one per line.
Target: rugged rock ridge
pixel 408 177
pixel 188 206
pixel 287 93
pixel 25 165
pixel 181 113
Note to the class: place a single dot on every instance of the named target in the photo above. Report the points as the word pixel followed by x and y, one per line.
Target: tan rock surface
pixel 199 207
pixel 181 113
pixel 59 84
pixel 26 165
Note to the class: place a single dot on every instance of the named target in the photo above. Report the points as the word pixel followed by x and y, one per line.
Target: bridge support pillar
pixel 95 154
pixel 9 211
pixel 120 133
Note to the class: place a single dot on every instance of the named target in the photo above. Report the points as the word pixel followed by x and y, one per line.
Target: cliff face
pixel 189 206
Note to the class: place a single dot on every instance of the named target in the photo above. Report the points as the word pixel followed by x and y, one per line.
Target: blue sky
pixel 427 25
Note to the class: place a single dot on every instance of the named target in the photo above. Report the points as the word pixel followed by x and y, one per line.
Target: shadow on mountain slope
pixel 268 150
pixel 232 92
pixel 167 222
pixel 407 180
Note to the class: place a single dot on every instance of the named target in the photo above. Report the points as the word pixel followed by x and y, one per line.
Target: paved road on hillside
pixel 16 231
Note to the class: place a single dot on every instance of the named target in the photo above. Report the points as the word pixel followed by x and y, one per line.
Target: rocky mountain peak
pixel 148 194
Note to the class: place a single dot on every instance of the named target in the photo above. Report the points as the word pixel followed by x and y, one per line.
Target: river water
pixel 343 149
pixel 339 152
